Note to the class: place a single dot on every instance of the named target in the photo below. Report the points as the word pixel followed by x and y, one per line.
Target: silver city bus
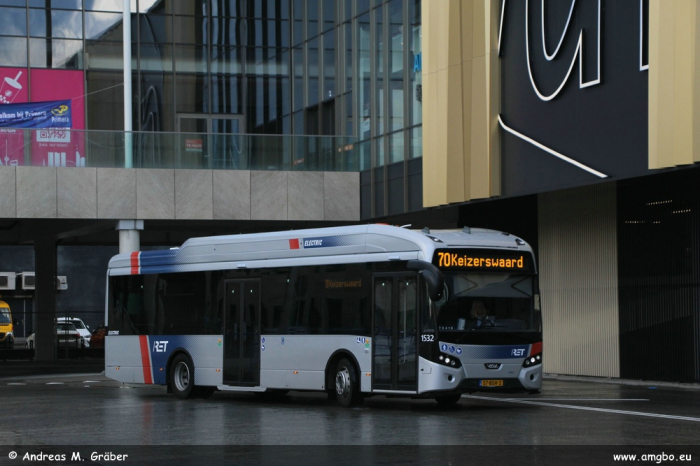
pixel 354 311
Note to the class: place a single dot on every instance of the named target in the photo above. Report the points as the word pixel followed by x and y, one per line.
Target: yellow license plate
pixel 491 383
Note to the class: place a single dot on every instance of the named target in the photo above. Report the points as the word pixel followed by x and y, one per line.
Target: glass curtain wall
pixel 283 67
pixel 385 62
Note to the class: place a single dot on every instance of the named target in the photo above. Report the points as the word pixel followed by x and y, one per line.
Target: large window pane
pixel 190 29
pixel 263 33
pixel 13 22
pixel 416 73
pixel 396 64
pixel 157 102
pixel 329 14
pixel 329 60
pixel 363 76
pixel 195 7
pixel 157 57
pixel 311 18
pixel 265 102
pixel 63 4
pixel 226 94
pixel 416 143
pixel 298 56
pixel 98 25
pixel 379 73
pixel 347 28
pixel 105 102
pixel 298 33
pixel 396 149
pixel 104 55
pixel 158 28
pixel 227 31
pixel 313 72
pixel 190 58
pixel 13 51
pixel 227 60
pixel 270 9
pixel 66 24
pixel 56 53
pixel 266 61
pixel 104 5
pixel 192 93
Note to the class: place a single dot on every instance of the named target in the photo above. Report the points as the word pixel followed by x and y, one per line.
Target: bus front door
pixel 242 333
pixel 395 325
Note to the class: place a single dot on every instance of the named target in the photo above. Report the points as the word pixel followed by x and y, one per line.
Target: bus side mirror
pixel 432 276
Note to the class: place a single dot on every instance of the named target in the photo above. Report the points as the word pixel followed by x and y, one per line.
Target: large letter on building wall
pixel 461 100
pixel 674 83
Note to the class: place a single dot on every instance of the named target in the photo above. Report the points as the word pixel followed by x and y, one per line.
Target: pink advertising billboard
pixel 51 146
pixel 13 89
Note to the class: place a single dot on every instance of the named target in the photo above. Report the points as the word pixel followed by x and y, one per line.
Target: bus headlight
pixel 533 360
pixel 449 361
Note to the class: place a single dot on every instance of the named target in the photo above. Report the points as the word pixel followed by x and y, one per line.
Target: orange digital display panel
pixel 484 260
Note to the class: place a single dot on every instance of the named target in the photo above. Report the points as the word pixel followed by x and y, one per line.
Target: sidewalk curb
pixel 615 381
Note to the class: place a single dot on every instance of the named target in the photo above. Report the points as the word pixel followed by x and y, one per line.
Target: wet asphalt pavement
pixel 569 422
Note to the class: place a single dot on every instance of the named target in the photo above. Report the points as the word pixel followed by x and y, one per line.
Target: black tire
pixel 448 400
pixel 182 377
pixel 347 384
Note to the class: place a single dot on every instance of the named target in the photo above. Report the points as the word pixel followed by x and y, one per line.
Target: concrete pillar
pixel 129 236
pixel 45 298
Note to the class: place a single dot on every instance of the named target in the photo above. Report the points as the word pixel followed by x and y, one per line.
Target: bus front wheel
pixel 182 376
pixel 347 385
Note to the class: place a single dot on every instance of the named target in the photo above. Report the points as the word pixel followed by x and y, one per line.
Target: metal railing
pixel 78 148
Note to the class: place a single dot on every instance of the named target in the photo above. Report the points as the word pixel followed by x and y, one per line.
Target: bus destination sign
pixel 483 260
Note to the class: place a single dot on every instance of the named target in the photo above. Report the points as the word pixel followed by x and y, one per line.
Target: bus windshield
pixel 487 303
pixel 5 316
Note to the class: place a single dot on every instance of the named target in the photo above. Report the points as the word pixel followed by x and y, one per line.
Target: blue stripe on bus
pixel 161 257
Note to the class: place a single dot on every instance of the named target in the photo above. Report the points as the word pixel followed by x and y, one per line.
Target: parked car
pixel 83 329
pixel 97 340
pixel 67 335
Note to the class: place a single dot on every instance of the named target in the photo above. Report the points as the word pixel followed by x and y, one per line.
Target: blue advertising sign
pixel 54 114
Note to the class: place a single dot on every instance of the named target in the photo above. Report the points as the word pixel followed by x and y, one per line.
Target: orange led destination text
pixel 448 259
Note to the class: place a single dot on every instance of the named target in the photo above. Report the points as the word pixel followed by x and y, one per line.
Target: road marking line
pixel 582 399
pixel 586 408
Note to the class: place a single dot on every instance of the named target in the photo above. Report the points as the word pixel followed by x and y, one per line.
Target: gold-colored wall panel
pixel 579 281
pixel 461 100
pixel 674 84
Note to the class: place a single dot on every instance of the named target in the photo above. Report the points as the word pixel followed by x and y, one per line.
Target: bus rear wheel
pixel 347 385
pixel 448 400
pixel 182 376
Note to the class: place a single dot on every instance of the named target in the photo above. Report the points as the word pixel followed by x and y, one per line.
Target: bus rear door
pixel 242 333
pixel 395 328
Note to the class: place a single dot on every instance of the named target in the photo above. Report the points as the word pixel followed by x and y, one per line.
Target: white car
pixel 83 329
pixel 66 335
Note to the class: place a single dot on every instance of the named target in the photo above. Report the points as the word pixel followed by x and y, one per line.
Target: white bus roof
pixel 360 243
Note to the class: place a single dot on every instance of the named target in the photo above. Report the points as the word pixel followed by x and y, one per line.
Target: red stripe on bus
pixel 536 348
pixel 135 262
pixel 293 244
pixel 145 360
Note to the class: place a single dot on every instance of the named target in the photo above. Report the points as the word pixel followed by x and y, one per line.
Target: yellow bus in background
pixel 7 337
